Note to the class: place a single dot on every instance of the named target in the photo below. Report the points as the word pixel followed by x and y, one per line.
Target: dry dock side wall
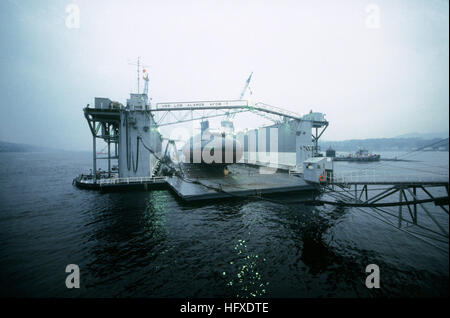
pixel 289 143
pixel 134 159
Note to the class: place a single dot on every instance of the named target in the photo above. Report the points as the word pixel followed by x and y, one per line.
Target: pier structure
pixel 402 202
pixel 405 205
pixel 104 123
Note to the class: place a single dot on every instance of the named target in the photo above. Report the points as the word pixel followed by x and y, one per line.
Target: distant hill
pixel 443 134
pixel 13 147
pixel 381 144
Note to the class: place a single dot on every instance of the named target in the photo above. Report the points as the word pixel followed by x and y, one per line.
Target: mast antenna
pixel 138 65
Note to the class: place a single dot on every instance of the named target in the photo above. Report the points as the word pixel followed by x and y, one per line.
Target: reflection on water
pixel 150 244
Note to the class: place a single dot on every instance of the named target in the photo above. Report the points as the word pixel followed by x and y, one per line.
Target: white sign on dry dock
pixel 217 103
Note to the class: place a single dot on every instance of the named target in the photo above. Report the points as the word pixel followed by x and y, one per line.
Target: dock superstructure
pixel 131 132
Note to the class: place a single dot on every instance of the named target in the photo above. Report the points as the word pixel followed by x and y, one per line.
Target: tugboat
pixel 330 152
pixel 362 155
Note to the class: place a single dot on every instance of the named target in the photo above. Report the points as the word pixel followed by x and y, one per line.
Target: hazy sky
pixel 372 75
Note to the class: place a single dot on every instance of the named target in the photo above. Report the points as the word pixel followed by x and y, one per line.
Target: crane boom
pixel 247 83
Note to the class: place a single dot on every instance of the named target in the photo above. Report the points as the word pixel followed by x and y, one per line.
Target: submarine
pixel 218 147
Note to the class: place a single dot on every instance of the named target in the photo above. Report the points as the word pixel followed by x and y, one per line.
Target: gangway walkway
pixel 401 201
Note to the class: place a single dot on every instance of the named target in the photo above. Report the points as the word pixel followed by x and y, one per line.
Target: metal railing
pixel 131 180
pixel 275 109
pixel 381 176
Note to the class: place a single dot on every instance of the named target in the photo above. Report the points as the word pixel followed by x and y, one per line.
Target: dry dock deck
pixel 242 181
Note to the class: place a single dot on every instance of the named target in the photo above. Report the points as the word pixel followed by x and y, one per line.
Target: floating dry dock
pixel 132 138
pixel 243 181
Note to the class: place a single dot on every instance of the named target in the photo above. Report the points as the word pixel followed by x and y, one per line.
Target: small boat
pixel 330 152
pixel 362 155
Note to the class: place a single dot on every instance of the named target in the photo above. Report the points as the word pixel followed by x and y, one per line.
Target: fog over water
pixel 373 76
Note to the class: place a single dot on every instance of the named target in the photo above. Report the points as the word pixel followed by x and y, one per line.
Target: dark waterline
pixel 150 244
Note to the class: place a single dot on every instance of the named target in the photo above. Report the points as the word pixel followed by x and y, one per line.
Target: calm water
pixel 149 244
